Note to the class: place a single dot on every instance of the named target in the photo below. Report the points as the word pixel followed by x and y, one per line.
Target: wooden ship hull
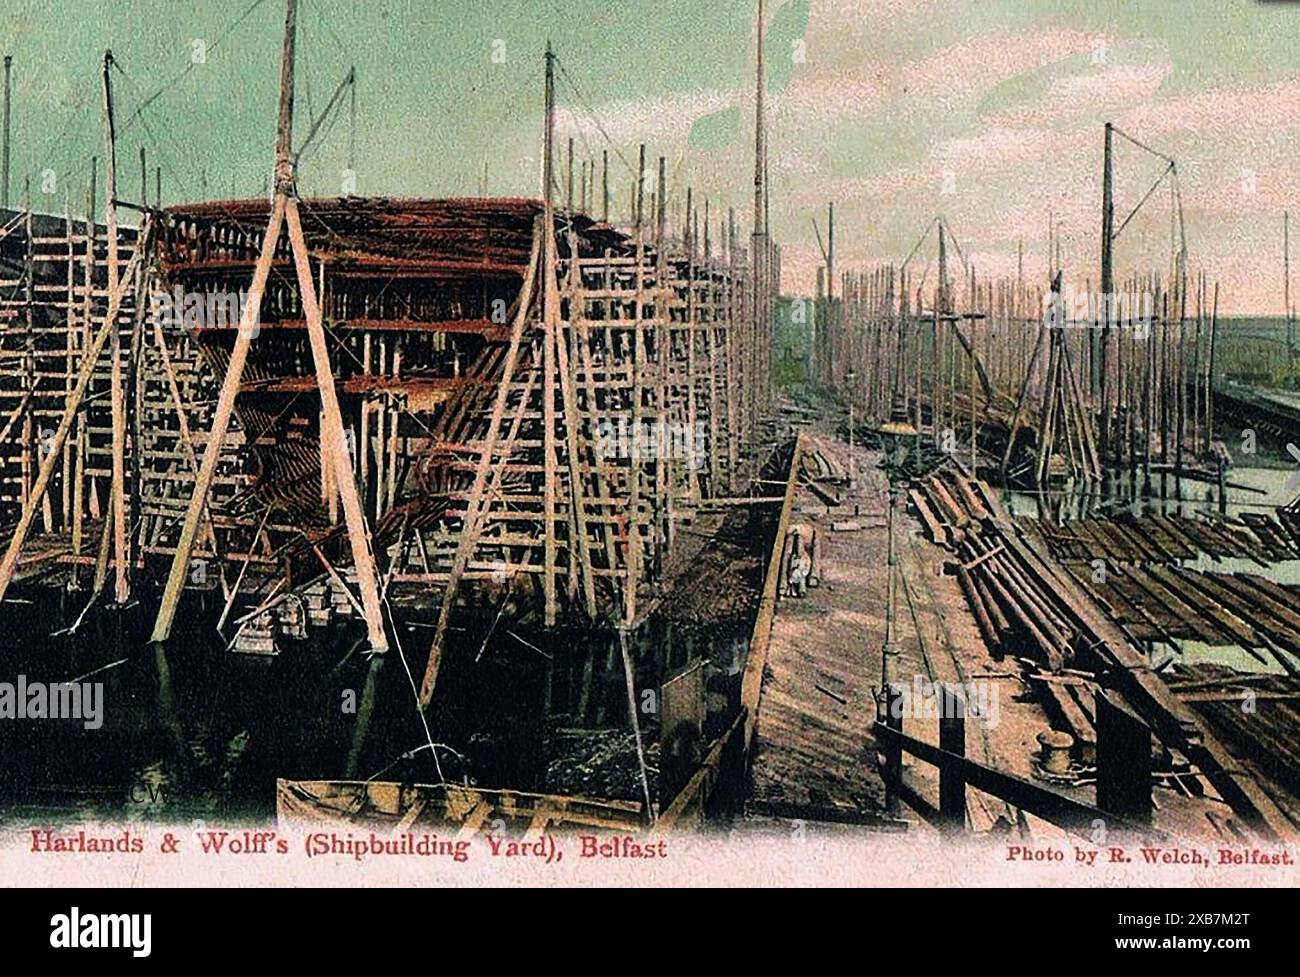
pixel 523 409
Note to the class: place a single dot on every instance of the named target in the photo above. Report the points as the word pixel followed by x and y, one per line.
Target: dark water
pixel 187 730
pixel 194 731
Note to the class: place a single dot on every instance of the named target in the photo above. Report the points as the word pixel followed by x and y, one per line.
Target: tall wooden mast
pixel 1286 284
pixel 122 588
pixel 4 151
pixel 760 136
pixel 1107 283
pixel 759 258
pixel 830 251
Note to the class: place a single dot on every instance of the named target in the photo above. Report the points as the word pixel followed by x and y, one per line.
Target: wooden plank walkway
pixel 813 752
pixel 814 755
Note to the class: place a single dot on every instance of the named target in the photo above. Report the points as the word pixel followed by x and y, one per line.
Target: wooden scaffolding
pixel 510 396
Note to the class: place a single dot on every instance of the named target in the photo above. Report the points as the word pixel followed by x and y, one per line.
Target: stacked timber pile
pixel 1173 603
pixel 1029 607
pixel 995 412
pixel 1289 516
pixel 1218 693
pixel 1132 565
pixel 823 475
pixel 1161 538
pixel 1018 611
pixel 1011 600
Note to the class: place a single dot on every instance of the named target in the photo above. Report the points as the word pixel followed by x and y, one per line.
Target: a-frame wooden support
pixel 1064 415
pixel 1018 414
pixel 220 426
pixel 284 211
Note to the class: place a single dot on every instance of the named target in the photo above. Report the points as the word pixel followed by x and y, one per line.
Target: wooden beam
pixel 220 425
pixel 333 440
pixel 579 548
pixel 1062 811
pixel 751 685
pixel 118 407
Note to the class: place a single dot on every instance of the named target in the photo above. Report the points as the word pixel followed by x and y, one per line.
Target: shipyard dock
pixel 479 510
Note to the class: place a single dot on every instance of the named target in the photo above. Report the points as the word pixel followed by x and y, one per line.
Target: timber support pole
pixel 1107 283
pixel 5 150
pixel 122 588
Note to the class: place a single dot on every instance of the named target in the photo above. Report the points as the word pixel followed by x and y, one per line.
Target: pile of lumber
pixel 1012 602
pixel 1028 607
pixel 1173 603
pixel 1168 538
pixel 817 465
pixel 1019 613
pixel 1266 734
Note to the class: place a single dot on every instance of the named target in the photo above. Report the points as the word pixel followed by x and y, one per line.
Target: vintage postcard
pixel 644 444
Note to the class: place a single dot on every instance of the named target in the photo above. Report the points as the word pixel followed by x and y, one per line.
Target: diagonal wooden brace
pixel 220 425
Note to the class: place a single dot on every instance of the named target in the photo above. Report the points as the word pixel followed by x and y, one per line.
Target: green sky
pixel 442 86
pixel 988 111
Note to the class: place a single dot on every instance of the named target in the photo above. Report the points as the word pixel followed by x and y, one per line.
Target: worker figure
pixel 799 566
pixel 800 562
